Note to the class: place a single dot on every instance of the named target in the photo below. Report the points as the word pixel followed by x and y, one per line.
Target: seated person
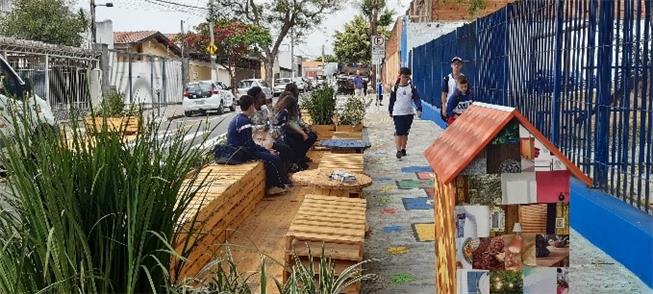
pixel 264 132
pixel 460 99
pixel 299 139
pixel 239 134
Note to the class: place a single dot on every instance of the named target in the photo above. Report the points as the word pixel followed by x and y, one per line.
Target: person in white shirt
pixel 449 84
pixel 403 101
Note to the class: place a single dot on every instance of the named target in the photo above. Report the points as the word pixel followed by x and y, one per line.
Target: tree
pixel 282 17
pixel 327 58
pixel 354 45
pixel 49 21
pixel 371 9
pixel 234 40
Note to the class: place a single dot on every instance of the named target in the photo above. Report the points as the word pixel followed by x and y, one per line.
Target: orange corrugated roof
pixel 457 147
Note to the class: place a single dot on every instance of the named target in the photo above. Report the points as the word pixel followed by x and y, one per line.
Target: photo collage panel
pixel 512 217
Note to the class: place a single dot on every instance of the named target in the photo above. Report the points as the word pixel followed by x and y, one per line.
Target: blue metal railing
pixel 581 71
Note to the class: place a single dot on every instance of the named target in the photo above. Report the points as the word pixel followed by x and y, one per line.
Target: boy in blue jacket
pixel 460 99
pixel 239 134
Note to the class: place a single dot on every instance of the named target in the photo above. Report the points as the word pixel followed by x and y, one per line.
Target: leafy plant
pixel 353 111
pixel 90 212
pixel 112 104
pixel 321 105
pixel 318 276
pixel 49 21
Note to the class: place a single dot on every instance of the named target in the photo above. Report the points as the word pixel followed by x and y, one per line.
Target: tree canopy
pixel 49 21
pixel 234 40
pixel 280 17
pixel 353 44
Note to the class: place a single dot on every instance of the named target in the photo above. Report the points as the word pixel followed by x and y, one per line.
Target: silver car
pixel 245 85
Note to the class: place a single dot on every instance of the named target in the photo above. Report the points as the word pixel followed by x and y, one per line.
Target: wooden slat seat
pixel 229 195
pixel 336 223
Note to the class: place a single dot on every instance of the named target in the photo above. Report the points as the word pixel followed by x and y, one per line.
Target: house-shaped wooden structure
pixel 501 205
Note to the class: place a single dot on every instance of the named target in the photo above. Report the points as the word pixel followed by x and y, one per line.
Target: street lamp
pixel 93 5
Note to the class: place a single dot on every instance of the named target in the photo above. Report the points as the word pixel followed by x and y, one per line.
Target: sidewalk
pixel 400 216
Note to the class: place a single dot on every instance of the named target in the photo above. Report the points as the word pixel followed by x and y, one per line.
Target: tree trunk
pixel 269 64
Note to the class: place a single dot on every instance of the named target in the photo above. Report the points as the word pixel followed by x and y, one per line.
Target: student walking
pixel 460 99
pixel 449 84
pixel 403 101
pixel 379 93
pixel 358 84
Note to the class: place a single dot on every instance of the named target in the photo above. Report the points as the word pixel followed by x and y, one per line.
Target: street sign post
pixel 378 49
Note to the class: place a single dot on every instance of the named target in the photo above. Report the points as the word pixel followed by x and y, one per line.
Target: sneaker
pixel 403 152
pixel 399 154
pixel 276 191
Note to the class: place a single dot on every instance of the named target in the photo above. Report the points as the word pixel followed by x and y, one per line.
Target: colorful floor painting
pixel 416 169
pixel 398 203
pixel 424 232
pixel 418 203
pixel 425 175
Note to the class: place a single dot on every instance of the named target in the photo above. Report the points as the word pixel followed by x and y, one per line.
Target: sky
pixel 141 15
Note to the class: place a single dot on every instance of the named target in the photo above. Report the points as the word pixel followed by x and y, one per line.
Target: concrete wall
pixel 422 33
pixel 104 33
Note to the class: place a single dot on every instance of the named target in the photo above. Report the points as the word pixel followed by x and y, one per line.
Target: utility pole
pixel 214 72
pixel 183 37
pixel 93 29
pixel 373 31
pixel 292 51
pixel 323 62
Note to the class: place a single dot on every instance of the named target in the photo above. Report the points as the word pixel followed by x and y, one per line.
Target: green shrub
pixel 112 104
pixel 92 213
pixel 353 112
pixel 321 105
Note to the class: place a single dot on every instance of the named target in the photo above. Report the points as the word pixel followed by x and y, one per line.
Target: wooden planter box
pixel 128 125
pixel 324 132
pixel 350 129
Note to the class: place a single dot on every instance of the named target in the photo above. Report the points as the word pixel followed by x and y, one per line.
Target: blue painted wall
pixel 623 232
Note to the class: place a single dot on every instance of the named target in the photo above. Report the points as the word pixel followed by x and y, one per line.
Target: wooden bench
pixel 230 195
pixel 347 135
pixel 343 161
pixel 336 223
pixel 128 125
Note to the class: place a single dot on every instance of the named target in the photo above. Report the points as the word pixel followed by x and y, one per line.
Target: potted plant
pixel 321 107
pixel 352 115
pixel 112 113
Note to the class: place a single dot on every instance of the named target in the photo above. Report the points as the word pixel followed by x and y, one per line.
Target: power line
pixel 180 4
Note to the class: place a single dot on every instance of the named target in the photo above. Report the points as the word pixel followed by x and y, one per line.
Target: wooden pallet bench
pixel 343 161
pixel 128 125
pixel 336 223
pixel 230 194
pixel 347 135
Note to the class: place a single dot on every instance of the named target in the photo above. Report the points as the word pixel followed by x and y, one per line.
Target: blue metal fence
pixel 581 71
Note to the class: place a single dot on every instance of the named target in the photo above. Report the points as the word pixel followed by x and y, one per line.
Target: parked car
pixel 280 85
pixel 245 85
pixel 204 96
pixel 13 92
pixel 302 83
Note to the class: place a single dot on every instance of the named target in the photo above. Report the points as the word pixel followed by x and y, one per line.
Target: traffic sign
pixel 377 59
pixel 378 41
pixel 212 49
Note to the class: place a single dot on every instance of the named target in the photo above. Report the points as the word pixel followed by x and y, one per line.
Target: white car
pixel 302 84
pixel 280 85
pixel 13 89
pixel 204 96
pixel 245 85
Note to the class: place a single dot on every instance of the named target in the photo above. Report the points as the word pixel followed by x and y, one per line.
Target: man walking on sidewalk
pixel 358 84
pixel 449 84
pixel 403 101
